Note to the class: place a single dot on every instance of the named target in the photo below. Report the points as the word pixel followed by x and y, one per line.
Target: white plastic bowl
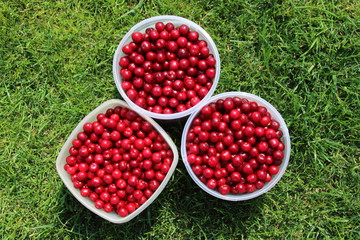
pixel 65 177
pixel 141 27
pixel 285 139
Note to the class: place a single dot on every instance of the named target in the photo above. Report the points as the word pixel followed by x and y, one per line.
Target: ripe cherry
pixel 232 142
pixel 224 189
pixel 211 183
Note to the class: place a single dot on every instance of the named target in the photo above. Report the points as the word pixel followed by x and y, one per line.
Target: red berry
pixel 160 26
pixel 252 178
pixel 278 155
pixel 137 37
pixel 224 189
pixel 123 212
pixel 259 184
pixel 235 177
pixel 211 183
pixel 250 188
pixel 273 170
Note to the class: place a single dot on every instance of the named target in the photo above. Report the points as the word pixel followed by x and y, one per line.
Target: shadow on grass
pixel 191 211
pixel 79 222
pixel 204 216
pixel 182 206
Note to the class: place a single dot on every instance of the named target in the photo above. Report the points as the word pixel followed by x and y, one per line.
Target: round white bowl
pixel 285 139
pixel 141 27
pixel 66 178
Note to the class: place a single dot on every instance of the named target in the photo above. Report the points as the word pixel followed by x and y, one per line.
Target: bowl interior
pixel 285 139
pixel 141 27
pixel 65 177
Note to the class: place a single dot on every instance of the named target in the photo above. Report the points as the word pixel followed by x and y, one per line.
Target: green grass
pixel 301 56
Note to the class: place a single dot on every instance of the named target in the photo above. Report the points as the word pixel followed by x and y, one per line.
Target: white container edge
pixel 150 22
pixel 286 139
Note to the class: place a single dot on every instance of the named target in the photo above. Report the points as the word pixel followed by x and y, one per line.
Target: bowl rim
pixel 165 18
pixel 85 201
pixel 285 138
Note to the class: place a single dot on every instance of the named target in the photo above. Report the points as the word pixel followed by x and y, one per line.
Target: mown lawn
pixel 302 56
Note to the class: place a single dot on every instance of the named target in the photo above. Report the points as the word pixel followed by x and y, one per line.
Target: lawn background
pixel 301 56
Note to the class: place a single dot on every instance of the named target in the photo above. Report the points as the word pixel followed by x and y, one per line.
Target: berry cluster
pixel 167 69
pixel 118 161
pixel 234 146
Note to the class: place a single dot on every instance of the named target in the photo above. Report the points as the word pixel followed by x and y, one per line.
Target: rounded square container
pixel 65 177
pixel 141 27
pixel 285 139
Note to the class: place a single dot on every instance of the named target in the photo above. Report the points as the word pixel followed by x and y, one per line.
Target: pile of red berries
pixel 234 146
pixel 167 69
pixel 118 161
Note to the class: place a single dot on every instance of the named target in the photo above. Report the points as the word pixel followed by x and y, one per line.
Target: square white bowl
pixel 66 178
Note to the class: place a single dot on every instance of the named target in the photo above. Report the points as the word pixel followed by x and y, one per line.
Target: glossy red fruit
pixel 160 26
pixel 107 162
pixel 211 183
pixel 162 55
pixel 273 170
pixel 224 189
pixel 231 143
pixel 123 212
